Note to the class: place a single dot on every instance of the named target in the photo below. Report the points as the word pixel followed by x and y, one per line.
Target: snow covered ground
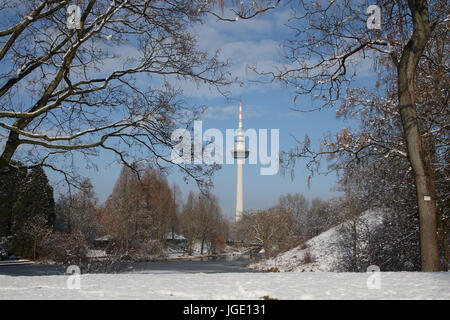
pixel 166 284
pixel 307 285
pixel 322 248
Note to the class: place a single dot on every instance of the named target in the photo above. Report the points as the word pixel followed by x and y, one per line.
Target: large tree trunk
pixel 10 148
pixel 417 155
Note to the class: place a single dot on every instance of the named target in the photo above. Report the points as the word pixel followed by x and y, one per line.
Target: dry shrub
pixel 136 251
pixel 218 242
pixel 268 298
pixel 308 257
pixel 65 248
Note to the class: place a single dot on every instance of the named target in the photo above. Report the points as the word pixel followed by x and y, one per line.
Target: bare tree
pixel 177 206
pixel 272 229
pixel 80 214
pixel 102 79
pixel 312 217
pixel 123 218
pixel 331 38
pixel 202 221
pixel 299 206
pixel 139 213
pixel 189 225
pixel 208 215
pixel 35 229
pixel 99 81
pixel 158 204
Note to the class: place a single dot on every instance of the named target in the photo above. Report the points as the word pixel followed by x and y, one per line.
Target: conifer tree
pixel 9 188
pixel 33 210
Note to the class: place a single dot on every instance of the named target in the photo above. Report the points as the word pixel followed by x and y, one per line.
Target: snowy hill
pixel 318 254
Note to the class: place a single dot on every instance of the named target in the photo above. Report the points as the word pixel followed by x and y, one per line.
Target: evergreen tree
pixel 33 210
pixel 10 182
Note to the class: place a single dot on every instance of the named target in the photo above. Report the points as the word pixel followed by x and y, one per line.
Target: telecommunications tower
pixel 240 152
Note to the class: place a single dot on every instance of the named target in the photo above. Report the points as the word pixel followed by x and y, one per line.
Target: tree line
pixel 143 212
pixel 397 158
pixel 290 223
pixel 137 219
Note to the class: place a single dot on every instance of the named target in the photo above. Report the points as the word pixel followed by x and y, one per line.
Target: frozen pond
pixel 206 265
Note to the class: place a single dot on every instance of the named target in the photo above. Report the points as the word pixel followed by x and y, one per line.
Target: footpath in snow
pixel 307 285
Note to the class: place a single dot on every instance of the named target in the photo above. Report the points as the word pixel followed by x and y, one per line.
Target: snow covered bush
pixel 391 244
pixel 66 248
pixel 272 229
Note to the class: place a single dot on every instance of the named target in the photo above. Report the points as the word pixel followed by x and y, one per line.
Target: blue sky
pixel 265 106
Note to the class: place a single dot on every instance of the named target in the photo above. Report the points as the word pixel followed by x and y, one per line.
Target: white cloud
pixel 264 54
pixel 231 111
pixel 243 43
pixel 220 113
